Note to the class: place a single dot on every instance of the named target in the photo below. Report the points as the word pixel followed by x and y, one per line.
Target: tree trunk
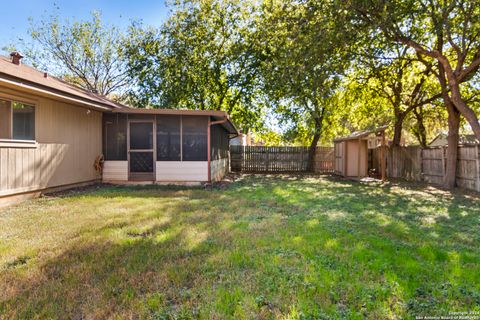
pixel 397 129
pixel 457 100
pixel 314 143
pixel 421 131
pixel 311 152
pixel 452 149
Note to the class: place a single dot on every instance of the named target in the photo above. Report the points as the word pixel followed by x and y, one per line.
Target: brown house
pixel 53 133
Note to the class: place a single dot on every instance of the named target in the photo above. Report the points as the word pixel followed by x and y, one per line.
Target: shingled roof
pixel 31 78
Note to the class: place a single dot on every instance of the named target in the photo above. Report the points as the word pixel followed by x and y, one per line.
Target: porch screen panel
pixel 168 138
pixel 219 142
pixel 194 138
pixel 115 136
pixel 141 136
pixel 141 162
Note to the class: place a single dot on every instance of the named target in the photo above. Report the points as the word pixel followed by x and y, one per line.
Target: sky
pixel 14 22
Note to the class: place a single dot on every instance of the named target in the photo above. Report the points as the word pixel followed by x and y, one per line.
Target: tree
pixel 447 32
pixel 85 53
pixel 304 65
pixel 206 56
pixel 396 75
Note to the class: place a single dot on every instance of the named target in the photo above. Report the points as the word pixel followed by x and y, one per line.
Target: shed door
pixel 141 151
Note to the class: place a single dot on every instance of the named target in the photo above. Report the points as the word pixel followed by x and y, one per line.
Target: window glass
pixel 23 121
pixel 194 138
pixel 5 120
pixel 168 138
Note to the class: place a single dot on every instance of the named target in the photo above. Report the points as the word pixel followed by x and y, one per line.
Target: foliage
pixel 85 53
pixel 444 32
pixel 206 56
pixel 304 66
pixel 263 247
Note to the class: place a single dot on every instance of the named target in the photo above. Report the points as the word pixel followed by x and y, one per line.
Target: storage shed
pixel 351 153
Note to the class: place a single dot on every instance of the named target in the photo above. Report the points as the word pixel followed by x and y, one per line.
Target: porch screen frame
pixel 153 150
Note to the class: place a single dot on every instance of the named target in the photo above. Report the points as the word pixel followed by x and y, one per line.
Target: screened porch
pixel 165 147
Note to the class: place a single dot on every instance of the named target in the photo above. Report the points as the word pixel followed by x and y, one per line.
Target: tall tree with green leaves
pixel 394 73
pixel 444 32
pixel 304 66
pixel 206 56
pixel 85 53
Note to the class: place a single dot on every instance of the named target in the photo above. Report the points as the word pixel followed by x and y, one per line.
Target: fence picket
pixel 280 159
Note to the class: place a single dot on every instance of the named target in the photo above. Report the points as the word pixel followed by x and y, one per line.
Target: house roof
pixel 32 79
pixel 361 134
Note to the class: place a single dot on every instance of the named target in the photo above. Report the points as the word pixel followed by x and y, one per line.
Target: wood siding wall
pixel 69 140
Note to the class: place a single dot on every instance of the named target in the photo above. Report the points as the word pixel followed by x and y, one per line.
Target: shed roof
pixel 464 139
pixel 361 134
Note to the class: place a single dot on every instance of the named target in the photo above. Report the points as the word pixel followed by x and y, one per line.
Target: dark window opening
pixel 194 138
pixel 141 135
pixel 115 136
pixel 168 138
pixel 219 142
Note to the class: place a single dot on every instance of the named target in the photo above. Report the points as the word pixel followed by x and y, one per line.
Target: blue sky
pixel 14 19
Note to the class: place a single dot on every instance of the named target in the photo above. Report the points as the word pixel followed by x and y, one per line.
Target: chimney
pixel 16 57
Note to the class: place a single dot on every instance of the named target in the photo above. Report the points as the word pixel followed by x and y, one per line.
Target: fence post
pixel 477 157
pixel 443 165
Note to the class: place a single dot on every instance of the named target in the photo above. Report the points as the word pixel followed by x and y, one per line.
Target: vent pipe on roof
pixel 16 57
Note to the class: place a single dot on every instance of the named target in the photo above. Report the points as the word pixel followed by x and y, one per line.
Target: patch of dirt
pixel 74 191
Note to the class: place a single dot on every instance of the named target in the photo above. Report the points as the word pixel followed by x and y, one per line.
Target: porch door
pixel 141 150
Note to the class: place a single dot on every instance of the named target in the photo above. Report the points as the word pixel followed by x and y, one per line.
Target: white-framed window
pixel 17 121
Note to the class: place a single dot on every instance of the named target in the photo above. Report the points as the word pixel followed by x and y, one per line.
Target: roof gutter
pixel 50 93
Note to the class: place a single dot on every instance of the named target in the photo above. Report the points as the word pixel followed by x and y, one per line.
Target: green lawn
pixel 264 247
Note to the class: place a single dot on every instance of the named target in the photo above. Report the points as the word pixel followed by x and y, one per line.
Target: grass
pixel 264 247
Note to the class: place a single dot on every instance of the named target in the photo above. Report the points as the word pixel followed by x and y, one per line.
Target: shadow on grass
pixel 266 246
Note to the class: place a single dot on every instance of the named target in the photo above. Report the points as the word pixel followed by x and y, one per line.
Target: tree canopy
pixel 296 72
pixel 85 53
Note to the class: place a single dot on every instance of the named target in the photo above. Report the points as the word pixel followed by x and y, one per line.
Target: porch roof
pixel 214 114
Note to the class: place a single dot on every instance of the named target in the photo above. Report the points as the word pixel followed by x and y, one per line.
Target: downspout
pixel 209 160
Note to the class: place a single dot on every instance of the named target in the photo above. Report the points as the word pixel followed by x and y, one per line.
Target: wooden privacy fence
pixel 279 159
pixel 429 165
